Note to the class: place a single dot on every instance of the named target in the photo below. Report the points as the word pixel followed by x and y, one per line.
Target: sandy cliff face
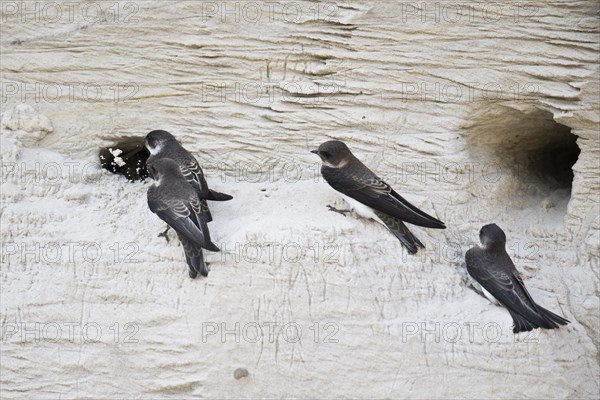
pixel 469 110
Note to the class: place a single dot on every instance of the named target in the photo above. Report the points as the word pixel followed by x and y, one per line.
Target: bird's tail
pixel 554 321
pixel 196 264
pixel 216 196
pixel 520 324
pixel 194 257
pixel 547 320
pixel 404 235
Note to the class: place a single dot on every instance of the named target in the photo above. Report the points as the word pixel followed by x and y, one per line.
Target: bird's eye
pixel 325 154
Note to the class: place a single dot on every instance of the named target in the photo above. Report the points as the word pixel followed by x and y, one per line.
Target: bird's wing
pixel 198 216
pixel 404 235
pixel 367 188
pixel 522 290
pixel 177 214
pixel 194 257
pixel 193 174
pixel 504 286
pixel 552 320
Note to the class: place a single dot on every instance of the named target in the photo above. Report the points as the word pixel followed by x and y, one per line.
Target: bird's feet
pixel 164 234
pixel 343 212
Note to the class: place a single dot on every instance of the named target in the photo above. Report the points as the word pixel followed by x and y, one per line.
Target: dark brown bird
pixel 491 266
pixel 370 196
pixel 176 202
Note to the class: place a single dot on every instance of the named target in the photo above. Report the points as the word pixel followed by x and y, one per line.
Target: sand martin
pixel 161 144
pixel 176 202
pixel 370 196
pixel 491 266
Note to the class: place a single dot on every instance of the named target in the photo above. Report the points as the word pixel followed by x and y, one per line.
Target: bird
pixel 369 196
pixel 162 144
pixel 491 266
pixel 176 202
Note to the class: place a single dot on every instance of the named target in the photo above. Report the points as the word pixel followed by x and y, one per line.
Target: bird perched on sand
pixel 370 196
pixel 491 266
pixel 161 144
pixel 176 202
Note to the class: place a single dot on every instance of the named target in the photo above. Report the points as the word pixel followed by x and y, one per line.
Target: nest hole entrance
pixel 535 153
pixel 550 157
pixel 126 157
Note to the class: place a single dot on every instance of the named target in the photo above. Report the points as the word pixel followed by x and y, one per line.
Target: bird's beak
pixel 315 151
